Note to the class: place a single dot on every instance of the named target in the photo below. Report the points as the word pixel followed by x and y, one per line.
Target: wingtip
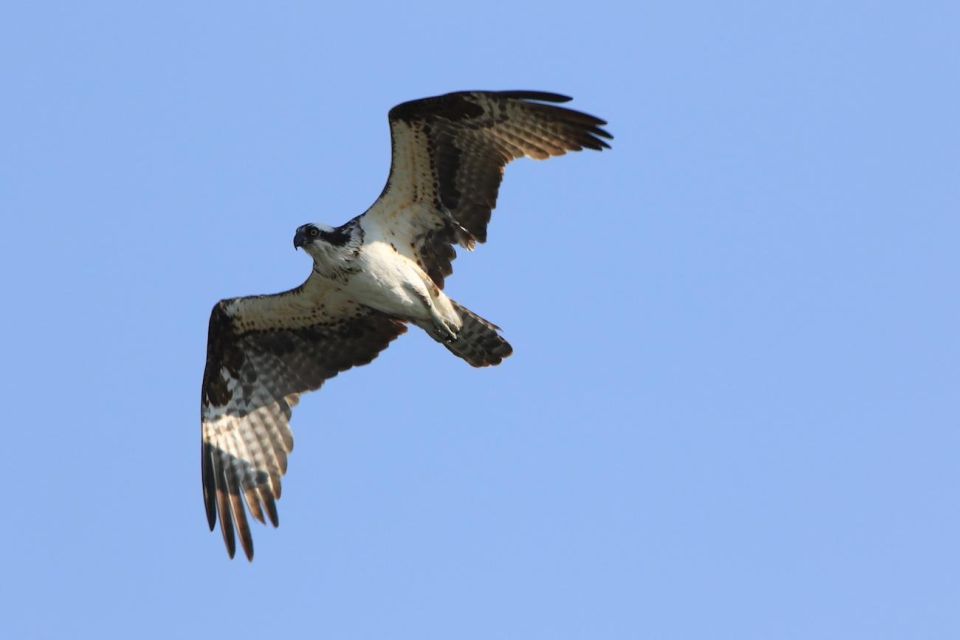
pixel 601 143
pixel 603 133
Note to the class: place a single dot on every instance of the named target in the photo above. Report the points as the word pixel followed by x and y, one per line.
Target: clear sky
pixel 732 411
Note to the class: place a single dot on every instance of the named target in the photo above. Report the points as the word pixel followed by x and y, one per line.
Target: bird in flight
pixel 372 277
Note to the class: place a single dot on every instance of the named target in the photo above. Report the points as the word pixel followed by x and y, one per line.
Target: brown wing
pixel 449 153
pixel 262 353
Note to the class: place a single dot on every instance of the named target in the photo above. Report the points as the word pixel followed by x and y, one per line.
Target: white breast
pixel 389 282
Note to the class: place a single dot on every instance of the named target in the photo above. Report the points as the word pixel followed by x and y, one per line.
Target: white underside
pixel 385 274
pixel 395 284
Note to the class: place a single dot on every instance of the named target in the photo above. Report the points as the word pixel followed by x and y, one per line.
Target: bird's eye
pixel 313 232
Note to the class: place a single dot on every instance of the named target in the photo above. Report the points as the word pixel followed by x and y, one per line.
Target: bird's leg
pixel 444 329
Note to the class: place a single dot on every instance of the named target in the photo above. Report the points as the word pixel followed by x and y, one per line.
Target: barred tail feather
pixel 479 341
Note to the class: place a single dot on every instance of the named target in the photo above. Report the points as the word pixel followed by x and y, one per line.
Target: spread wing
pixel 262 353
pixel 449 153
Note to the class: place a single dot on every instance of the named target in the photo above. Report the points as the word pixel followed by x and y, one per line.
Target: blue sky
pixel 732 407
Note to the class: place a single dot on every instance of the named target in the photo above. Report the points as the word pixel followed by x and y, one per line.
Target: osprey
pixel 371 278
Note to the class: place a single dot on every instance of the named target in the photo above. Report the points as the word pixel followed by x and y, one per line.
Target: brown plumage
pixel 262 353
pixel 451 151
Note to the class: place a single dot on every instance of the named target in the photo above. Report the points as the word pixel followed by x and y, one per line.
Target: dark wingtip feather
pixel 271 506
pixel 596 139
pixel 253 503
pixel 593 139
pixel 209 485
pixel 243 527
pixel 226 523
pixel 247 546
pixel 542 96
pixel 219 486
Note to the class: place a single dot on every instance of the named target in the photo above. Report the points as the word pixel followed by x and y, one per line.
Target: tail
pixel 478 342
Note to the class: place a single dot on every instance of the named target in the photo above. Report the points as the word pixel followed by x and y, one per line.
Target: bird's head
pixel 320 241
pixel 309 234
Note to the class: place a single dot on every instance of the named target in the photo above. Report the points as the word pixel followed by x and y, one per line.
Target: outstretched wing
pixel 449 153
pixel 262 353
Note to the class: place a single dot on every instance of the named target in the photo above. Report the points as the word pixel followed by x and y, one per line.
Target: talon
pixel 448 333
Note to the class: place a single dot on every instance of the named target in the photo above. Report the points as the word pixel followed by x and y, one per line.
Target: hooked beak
pixel 300 239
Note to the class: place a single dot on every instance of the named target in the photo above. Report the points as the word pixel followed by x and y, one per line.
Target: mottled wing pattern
pixel 449 153
pixel 262 353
